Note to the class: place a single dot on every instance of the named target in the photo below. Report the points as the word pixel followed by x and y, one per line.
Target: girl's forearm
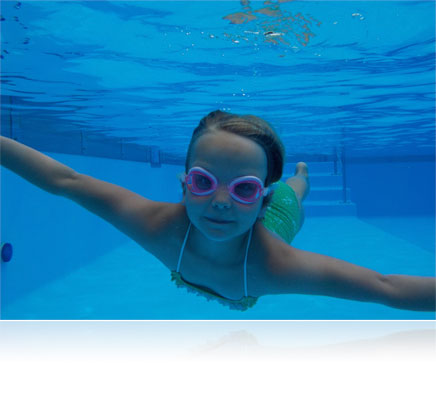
pixel 413 292
pixel 35 167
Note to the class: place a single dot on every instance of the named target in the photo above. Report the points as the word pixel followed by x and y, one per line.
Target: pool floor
pixel 129 283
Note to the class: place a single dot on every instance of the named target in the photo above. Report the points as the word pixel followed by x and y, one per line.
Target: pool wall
pixel 392 189
pixel 52 236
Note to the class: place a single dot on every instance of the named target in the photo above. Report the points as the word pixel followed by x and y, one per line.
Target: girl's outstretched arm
pixel 35 167
pixel 129 212
pixel 310 273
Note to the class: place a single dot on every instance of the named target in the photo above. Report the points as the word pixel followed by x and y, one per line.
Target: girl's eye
pixel 202 182
pixel 246 189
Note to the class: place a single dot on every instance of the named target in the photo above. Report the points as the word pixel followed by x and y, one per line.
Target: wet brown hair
pixel 251 127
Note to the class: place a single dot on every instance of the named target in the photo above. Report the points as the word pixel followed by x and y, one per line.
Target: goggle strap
pixel 181 177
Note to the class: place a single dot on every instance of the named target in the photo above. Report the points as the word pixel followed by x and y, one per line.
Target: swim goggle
pixel 245 189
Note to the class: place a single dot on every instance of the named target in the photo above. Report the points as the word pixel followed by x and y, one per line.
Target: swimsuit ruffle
pixel 241 305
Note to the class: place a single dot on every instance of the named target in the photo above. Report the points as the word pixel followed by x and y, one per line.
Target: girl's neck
pixel 218 252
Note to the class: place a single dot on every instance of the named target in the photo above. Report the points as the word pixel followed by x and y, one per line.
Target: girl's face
pixel 227 156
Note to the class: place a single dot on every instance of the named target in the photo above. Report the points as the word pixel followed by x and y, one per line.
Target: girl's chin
pixel 219 233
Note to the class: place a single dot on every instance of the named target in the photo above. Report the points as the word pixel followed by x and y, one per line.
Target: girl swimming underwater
pixel 229 238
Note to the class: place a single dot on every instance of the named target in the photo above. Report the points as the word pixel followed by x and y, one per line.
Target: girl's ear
pixel 184 193
pixel 266 202
pixel 181 177
pixel 262 212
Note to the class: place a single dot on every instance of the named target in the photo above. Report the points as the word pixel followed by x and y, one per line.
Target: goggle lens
pixel 246 190
pixel 201 183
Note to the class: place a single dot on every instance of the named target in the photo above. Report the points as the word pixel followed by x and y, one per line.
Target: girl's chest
pixel 230 280
pixel 226 280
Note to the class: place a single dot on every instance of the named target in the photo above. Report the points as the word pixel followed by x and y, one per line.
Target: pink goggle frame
pixel 245 189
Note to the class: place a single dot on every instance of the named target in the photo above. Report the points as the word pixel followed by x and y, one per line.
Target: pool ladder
pixel 329 195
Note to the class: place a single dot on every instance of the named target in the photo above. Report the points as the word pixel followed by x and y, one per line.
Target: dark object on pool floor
pixel 7 252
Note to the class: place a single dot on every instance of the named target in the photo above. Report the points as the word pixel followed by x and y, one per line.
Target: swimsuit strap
pixel 183 247
pixel 245 261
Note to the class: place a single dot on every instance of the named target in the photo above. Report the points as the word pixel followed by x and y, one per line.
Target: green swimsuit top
pixel 242 304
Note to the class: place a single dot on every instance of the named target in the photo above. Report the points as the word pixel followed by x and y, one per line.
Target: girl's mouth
pixel 218 221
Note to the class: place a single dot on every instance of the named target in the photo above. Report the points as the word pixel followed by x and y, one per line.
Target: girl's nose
pixel 222 198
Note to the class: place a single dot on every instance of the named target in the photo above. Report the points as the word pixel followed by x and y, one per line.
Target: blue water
pixel 148 71
pixel 352 79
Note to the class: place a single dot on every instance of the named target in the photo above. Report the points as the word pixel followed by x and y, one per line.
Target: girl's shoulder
pixel 267 253
pixel 170 223
pixel 168 216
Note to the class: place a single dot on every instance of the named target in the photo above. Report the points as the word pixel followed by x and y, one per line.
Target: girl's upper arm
pixel 132 214
pixel 311 273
